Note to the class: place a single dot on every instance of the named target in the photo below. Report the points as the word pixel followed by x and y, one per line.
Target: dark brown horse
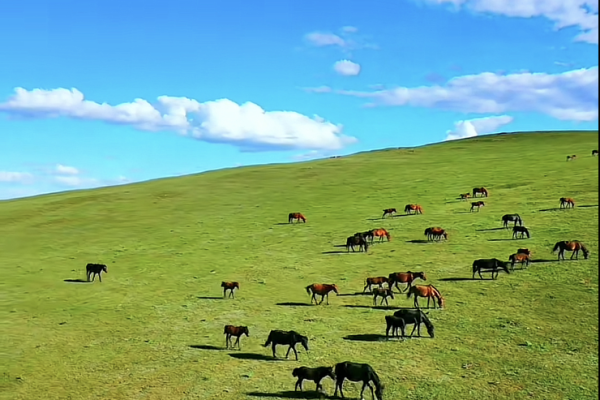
pixel 465 196
pixel 482 191
pixel 404 277
pixel 429 291
pixel 321 289
pixel 297 217
pixel 356 372
pixel 286 338
pixel 312 374
pixel 520 231
pixel 389 211
pixel 413 209
pixel 229 286
pixel 515 218
pixel 416 318
pixel 567 202
pixel 524 251
pixel 359 241
pixel 384 293
pixel 574 245
pixel 436 233
pixel 492 265
pixel 477 205
pixel 520 258
pixel 93 269
pixel 236 331
pixel 395 324
pixel 379 281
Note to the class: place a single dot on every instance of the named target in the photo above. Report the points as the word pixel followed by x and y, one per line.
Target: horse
pixel 297 217
pixel 567 202
pixel 594 153
pixel 393 323
pixel 356 372
pixel 428 291
pixel 384 293
pixel 574 245
pixel 368 235
pixel 413 208
pixel 520 258
pixel 93 269
pixel 380 233
pixel 435 233
pixel 359 241
pixel 389 211
pixel 404 277
pixel 465 196
pixel 321 289
pixel 516 218
pixel 568 158
pixel 230 286
pixel 483 191
pixel 477 205
pixel 492 264
pixel 286 338
pixel 574 156
pixel 416 317
pixel 379 280
pixel 236 331
pixel 524 251
pixel 520 230
pixel 312 374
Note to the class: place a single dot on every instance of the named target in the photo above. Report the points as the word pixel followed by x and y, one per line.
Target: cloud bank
pixel 478 126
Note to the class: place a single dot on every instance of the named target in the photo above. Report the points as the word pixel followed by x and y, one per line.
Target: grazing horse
pixel 321 289
pixel 428 291
pixel 567 202
pixel 388 211
pixel 482 191
pixel 393 323
pixel 404 277
pixel 436 233
pixel 230 286
pixel 365 235
pixel 520 258
pixel 594 153
pixel 236 331
pixel 286 338
pixel 380 233
pixel 416 317
pixel 312 374
pixel 359 241
pixel 574 245
pixel 356 372
pixel 296 216
pixel 413 209
pixel 93 269
pixel 492 264
pixel 516 218
pixel 520 230
pixel 464 196
pixel 477 205
pixel 384 293
pixel 379 280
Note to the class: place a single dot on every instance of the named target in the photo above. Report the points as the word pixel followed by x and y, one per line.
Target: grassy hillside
pixel 169 243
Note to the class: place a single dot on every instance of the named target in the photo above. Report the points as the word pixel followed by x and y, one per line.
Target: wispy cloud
pixel 346 68
pixel 478 126
pixel 66 170
pixel 16 177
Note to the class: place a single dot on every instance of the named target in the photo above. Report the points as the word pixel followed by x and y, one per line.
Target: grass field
pixel 169 243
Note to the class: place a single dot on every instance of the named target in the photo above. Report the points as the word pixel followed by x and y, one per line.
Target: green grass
pixel 531 334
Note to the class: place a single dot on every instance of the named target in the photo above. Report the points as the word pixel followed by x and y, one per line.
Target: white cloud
pixel 582 14
pixel 84 182
pixel 321 39
pixel 478 126
pixel 346 68
pixel 66 170
pixel 319 89
pixel 223 121
pixel 348 39
pixel 571 95
pixel 15 177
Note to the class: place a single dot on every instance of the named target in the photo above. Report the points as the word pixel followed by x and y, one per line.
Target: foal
pixel 380 280
pixel 566 202
pixel 229 286
pixel 236 331
pixel 384 293
pixel 388 211
pixel 312 374
pixel 95 269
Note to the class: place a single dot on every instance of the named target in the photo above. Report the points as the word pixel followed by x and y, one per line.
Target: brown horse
pixel 413 209
pixel 567 202
pixel 477 205
pixel 229 286
pixel 404 277
pixel 379 281
pixel 436 233
pixel 464 196
pixel 236 331
pixel 524 251
pixel 428 291
pixel 482 191
pixel 520 258
pixel 380 233
pixel 296 216
pixel 389 211
pixel 594 153
pixel 574 245
pixel 384 293
pixel 321 289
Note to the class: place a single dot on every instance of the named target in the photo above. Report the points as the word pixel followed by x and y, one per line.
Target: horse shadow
pixel 418 241
pixel 366 337
pixel 254 356
pixel 378 307
pixel 489 230
pixel 339 245
pixel 292 304
pixel 289 394
pixel 464 212
pixel 587 205
pixel 209 298
pixel 356 294
pixel 76 281
pixel 545 261
pixel 552 209
pixel 338 252
pixel 205 347
pixel 283 223
pixel 505 240
pixel 457 279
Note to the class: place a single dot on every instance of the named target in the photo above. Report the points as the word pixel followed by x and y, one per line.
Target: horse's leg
pixel 273 347
pixel 413 331
pixel 100 276
pixel 295 352
pixel 225 293
pixel 298 383
pixel 237 341
pixel 416 302
pixel 479 272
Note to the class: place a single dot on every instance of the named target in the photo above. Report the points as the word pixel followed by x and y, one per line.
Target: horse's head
pixel 379 391
pixel 445 234
pixel 441 302
pixel 336 289
pixel 329 372
pixel 236 285
pixel 428 324
pixel 504 266
pixel 245 331
pixel 586 252
pixel 420 275
pixel 304 342
pixel 105 269
pixel 223 284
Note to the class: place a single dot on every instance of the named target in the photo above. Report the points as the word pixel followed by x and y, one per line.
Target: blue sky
pixel 101 93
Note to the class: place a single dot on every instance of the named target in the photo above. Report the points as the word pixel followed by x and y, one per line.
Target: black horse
pixel 393 323
pixel 520 230
pixel 286 338
pixel 95 269
pixel 516 218
pixel 416 317
pixel 356 372
pixel 492 264
pixel 312 374
pixel 359 241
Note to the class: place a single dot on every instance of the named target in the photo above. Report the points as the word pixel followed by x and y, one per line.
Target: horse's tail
pixel 435 290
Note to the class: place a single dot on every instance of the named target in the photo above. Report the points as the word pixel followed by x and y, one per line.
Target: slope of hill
pixel 146 331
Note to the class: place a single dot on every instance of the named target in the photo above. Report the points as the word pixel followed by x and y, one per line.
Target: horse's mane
pixel 436 290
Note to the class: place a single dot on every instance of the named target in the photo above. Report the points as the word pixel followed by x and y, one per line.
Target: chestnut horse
pixel 567 202
pixel 229 286
pixel 236 331
pixel 389 211
pixel 297 217
pixel 379 280
pixel 524 251
pixel 413 209
pixel 380 233
pixel 477 205
pixel 436 233
pixel 428 291
pixel 483 191
pixel 404 277
pixel 321 289
pixel 464 196
pixel 520 258
pixel 574 245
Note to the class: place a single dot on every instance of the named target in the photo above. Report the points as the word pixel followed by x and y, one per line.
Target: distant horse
pixel 436 233
pixel 379 280
pixel 416 317
pixel 368 235
pixel 380 233
pixel 574 245
pixel 384 293
pixel 356 372
pixel 520 258
pixel 312 374
pixel 486 265
pixel 516 218
pixel 236 331
pixel 286 338
pixel 413 209
pixel 429 291
pixel 230 286
pixel 93 269
pixel 524 251
pixel 359 241
pixel 477 205
pixel 568 158
pixel 465 196
pixel 296 216
pixel 321 289
pixel 404 277
pixel 389 211
pixel 567 202
pixel 594 153
pixel 394 323
pixel 520 231
pixel 482 191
